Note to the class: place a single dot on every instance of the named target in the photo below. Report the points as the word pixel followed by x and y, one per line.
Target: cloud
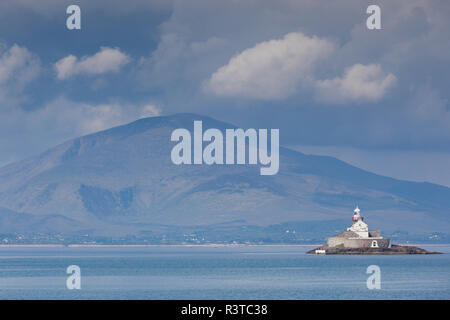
pixel 77 118
pixel 106 60
pixel 395 163
pixel 178 61
pixel 149 110
pixel 275 69
pixel 52 8
pixel 18 66
pixel 59 120
pixel 360 83
pixel 181 55
pixel 271 69
pixel 429 114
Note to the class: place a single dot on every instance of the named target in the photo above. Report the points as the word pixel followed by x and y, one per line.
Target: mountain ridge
pixel 123 175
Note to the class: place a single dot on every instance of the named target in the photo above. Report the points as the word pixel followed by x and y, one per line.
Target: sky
pixel 378 99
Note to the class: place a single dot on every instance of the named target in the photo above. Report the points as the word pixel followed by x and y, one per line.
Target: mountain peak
pixel 123 179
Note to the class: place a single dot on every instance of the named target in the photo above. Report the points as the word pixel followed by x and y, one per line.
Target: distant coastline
pixel 151 245
pixel 219 245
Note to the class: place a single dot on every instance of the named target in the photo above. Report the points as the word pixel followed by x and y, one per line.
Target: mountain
pixel 121 181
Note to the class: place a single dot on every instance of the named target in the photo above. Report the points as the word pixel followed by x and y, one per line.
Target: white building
pixel 358 226
pixel 358 235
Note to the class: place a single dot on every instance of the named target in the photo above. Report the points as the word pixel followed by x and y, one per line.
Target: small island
pixel 358 239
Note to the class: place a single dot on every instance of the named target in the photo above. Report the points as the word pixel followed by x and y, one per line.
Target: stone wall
pixel 374 233
pixel 357 243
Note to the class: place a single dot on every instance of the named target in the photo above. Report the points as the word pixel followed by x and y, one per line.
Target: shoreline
pixel 150 245
pixel 180 245
pixel 394 249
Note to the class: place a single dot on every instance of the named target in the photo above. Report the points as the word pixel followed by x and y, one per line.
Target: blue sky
pixel 378 99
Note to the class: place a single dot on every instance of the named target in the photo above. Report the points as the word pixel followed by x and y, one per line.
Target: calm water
pixel 274 272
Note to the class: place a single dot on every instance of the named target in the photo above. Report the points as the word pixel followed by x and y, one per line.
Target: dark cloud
pixel 175 48
pixel 410 49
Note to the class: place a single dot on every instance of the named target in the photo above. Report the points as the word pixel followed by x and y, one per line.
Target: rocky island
pixel 358 239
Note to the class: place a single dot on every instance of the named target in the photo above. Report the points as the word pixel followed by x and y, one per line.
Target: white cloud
pixel 360 83
pixel 106 60
pixel 271 69
pixel 275 69
pixel 18 65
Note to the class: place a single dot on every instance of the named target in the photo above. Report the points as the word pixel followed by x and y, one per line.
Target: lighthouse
pixel 358 235
pixel 359 226
pixel 356 215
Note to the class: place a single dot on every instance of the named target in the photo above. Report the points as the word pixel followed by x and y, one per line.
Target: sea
pixel 218 272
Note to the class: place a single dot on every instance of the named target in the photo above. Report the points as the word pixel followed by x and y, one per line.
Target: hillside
pixel 121 181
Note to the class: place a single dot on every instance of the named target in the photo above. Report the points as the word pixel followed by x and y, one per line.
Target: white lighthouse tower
pixel 359 226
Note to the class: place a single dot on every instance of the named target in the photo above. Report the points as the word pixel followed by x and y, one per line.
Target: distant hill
pixel 121 181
